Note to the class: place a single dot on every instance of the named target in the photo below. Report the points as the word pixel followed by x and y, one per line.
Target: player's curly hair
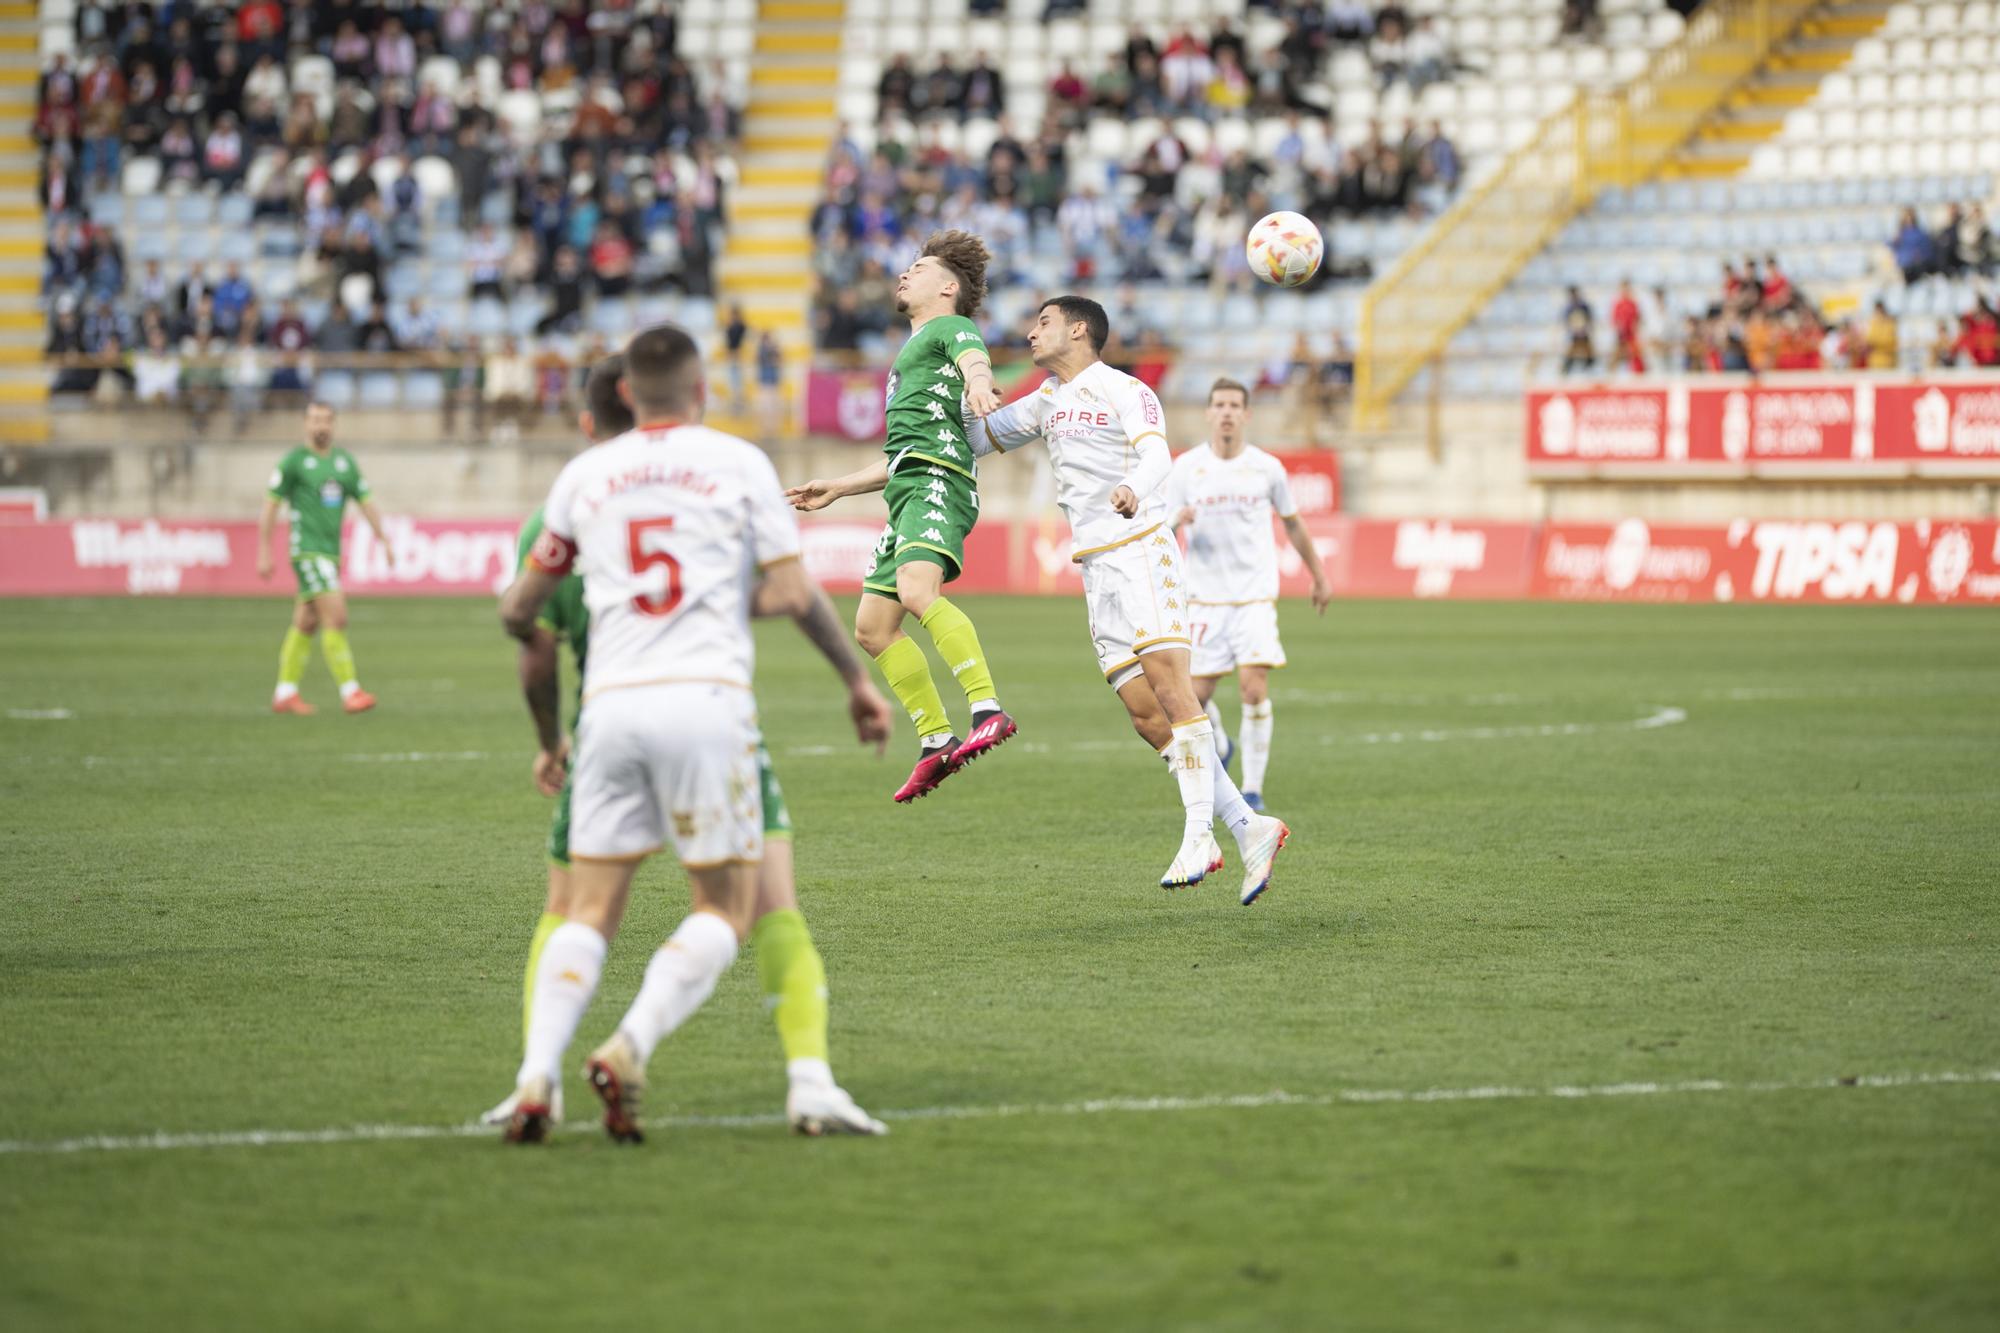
pixel 966 256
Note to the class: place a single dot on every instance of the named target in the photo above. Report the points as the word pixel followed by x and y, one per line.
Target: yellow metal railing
pixel 1621 138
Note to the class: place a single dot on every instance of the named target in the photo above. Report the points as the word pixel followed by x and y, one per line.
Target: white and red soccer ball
pixel 1284 249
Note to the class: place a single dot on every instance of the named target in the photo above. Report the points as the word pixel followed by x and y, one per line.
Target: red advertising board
pixel 1780 426
pixel 1750 560
pixel 1771 560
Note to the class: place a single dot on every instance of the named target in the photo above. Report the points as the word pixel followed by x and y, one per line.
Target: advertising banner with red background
pixel 1785 426
pixel 1751 560
pixel 1771 560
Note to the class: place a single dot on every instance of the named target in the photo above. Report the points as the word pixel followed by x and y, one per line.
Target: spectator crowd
pixel 579 154
pixel 946 152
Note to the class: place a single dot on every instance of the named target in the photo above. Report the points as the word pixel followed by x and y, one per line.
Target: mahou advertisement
pixel 1779 426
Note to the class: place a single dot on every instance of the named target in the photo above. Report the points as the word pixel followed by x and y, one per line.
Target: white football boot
pixel 1266 838
pixel 816 1105
pixel 1200 856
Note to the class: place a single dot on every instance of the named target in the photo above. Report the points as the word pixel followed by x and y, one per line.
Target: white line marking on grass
pixel 1665 715
pixel 418 757
pixel 278 1138
pixel 40 714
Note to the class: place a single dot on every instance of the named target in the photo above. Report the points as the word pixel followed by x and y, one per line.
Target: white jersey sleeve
pixel 1282 503
pixel 555 550
pixel 1177 486
pixel 1017 424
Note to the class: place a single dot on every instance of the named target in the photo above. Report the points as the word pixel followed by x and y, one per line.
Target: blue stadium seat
pixel 149 213
pixel 193 209
pixel 233 210
pixel 423 388
pixel 380 389
pixel 336 387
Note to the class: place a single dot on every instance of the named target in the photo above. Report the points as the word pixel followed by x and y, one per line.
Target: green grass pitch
pixel 220 921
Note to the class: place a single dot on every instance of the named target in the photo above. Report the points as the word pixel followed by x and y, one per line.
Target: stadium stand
pixel 353 182
pixel 1135 145
pixel 1872 164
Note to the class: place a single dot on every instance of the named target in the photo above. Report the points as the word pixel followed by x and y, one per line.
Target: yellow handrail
pixel 1475 248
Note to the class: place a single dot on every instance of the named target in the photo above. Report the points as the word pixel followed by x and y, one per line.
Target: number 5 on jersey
pixel 643 559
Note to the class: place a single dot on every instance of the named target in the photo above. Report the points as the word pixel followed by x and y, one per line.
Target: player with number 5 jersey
pixel 670 525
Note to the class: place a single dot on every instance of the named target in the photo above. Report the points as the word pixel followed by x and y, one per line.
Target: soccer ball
pixel 1284 249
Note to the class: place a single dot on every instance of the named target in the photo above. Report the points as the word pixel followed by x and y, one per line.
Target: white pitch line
pixel 278 1138
pixel 40 714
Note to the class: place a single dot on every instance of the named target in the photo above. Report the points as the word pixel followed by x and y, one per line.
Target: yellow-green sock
pixel 543 929
pixel 794 981
pixel 293 656
pixel 958 644
pixel 339 657
pixel 909 675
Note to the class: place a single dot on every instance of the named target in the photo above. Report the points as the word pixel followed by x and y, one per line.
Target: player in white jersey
pixel 670 525
pixel 1222 493
pixel 1104 431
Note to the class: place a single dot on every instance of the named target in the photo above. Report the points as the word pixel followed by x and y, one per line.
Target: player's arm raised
pixel 819 493
pixel 1302 542
pixel 982 395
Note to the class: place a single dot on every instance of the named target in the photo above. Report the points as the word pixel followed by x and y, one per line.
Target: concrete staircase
pixel 24 385
pixel 766 263
pixel 1756 111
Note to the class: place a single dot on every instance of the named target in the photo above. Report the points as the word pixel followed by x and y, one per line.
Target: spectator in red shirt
pixel 611 261
pixel 1777 287
pixel 260 27
pixel 1979 336
pixel 1625 328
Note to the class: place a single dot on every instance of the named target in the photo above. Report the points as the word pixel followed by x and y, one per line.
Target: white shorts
pixel 1227 637
pixel 1136 597
pixel 672 760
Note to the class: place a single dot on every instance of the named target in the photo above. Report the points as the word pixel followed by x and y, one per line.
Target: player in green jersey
pixel 788 965
pixel 313 483
pixel 929 479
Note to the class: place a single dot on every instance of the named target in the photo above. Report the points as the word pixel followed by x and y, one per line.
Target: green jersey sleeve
pixel 954 336
pixel 353 482
pixel 280 487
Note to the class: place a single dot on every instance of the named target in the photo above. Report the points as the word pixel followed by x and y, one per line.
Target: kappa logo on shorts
pixel 1168 583
pixel 1167 561
pixel 1173 605
pixel 945 434
pixel 934 516
pixel 937 411
pixel 683 824
pixel 937 472
pixel 931 535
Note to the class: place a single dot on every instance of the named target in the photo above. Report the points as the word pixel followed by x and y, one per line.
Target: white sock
pixel 817 1073
pixel 347 690
pixel 1214 717
pixel 1190 755
pixel 286 690
pixel 1256 741
pixel 1230 807
pixel 572 961
pixel 682 975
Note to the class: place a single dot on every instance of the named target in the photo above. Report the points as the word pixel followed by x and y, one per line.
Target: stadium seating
pixel 1913 121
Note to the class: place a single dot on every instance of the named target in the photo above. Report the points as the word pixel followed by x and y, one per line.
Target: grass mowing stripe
pixel 279 1138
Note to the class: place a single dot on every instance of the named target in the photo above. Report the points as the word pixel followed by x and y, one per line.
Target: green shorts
pixel 317 575
pixel 777 816
pixel 931 509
